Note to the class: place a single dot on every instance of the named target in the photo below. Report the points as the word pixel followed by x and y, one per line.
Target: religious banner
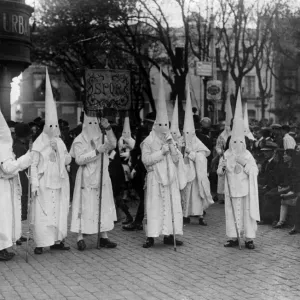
pixel 107 88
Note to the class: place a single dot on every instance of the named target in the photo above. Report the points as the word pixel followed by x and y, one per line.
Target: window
pixel 249 86
pixel 251 114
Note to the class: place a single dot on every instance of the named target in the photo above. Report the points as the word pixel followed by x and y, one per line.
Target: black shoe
pixel 279 225
pixel 23 239
pixel 19 242
pixel 293 231
pixel 11 254
pixel 4 256
pixel 202 222
pixel 133 226
pixel 38 250
pixel 261 222
pixel 106 243
pixel 149 242
pixel 186 220
pixel 128 220
pixel 250 245
pixel 231 243
pixel 221 202
pixel 60 246
pixel 169 240
pixel 81 245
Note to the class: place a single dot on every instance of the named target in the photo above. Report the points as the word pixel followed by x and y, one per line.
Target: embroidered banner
pixel 107 88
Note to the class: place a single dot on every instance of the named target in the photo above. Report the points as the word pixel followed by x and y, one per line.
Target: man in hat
pixel 50 182
pixel 196 196
pixel 277 134
pixel 241 192
pixel 162 201
pixel 288 141
pixel 20 148
pixel 11 190
pixel 87 149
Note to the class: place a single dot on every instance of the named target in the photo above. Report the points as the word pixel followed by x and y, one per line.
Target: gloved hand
pixel 132 174
pixel 240 160
pixel 125 155
pixel 187 150
pixel 223 164
pixel 165 149
pixel 53 144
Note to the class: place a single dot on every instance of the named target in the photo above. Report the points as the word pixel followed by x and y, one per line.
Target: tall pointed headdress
pixel 228 111
pixel 248 133
pixel 126 127
pixel 174 124
pixel 161 124
pixel 237 133
pixel 189 126
pixel 51 127
pixel 6 140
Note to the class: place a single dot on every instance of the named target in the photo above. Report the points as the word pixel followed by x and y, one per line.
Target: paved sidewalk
pixel 201 269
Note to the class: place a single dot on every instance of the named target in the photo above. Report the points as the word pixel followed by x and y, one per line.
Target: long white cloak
pixel 51 207
pixel 196 196
pixel 10 200
pixel 161 188
pixel 244 193
pixel 85 205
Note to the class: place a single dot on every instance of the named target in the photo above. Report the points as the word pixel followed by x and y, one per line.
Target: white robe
pixel 10 200
pixel 161 188
pixel 85 206
pixel 244 193
pixel 51 207
pixel 196 196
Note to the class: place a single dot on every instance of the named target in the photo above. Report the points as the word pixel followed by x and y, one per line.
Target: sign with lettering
pixel 107 88
pixel 203 68
pixel 15 24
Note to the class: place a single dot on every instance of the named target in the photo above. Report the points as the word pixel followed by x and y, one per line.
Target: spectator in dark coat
pixel 20 147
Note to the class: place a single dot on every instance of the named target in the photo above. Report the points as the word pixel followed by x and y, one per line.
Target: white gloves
pixel 165 149
pixel 242 161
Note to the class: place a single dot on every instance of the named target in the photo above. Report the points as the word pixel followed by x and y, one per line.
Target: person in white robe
pixel 221 145
pixel 179 142
pixel 11 191
pixel 162 194
pixel 240 185
pixel 125 144
pixel 87 149
pixel 50 182
pixel 196 196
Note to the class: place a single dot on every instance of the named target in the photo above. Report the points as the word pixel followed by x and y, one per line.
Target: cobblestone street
pixel 201 269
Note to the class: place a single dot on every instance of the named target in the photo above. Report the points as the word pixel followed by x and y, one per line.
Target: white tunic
pixel 161 188
pixel 10 200
pixel 50 208
pixel 196 196
pixel 85 206
pixel 244 193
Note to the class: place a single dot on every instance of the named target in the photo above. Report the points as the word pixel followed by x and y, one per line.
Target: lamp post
pixel 15 46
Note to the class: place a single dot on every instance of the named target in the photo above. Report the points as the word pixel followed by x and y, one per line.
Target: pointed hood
pixel 51 127
pixel 6 140
pixel 228 111
pixel 174 125
pixel 227 131
pixel 237 141
pixel 188 127
pixel 161 124
pixel 90 128
pixel 248 133
pixel 126 127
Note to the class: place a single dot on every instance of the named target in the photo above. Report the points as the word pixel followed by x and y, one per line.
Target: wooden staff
pixel 171 202
pixel 101 183
pixel 28 207
pixel 233 211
